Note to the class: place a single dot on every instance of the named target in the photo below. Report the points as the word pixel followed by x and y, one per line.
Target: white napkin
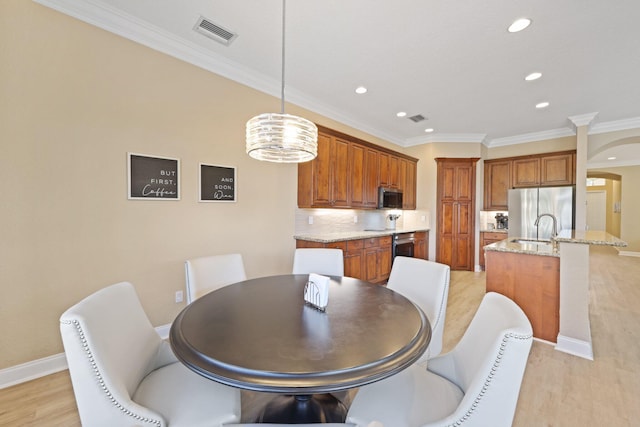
pixel 317 290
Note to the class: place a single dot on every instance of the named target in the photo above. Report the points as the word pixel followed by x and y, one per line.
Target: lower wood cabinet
pixel 421 245
pixel 533 282
pixel 377 259
pixel 487 238
pixel 365 259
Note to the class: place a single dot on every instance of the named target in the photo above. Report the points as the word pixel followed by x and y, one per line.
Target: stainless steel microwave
pixel 389 198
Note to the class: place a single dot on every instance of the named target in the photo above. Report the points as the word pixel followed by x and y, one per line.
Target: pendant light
pixel 280 137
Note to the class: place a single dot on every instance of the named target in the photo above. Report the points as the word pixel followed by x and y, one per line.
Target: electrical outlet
pixel 310 220
pixel 355 219
pixel 423 218
pixel 179 296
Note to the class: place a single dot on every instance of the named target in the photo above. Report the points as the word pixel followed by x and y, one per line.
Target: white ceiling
pixel 452 61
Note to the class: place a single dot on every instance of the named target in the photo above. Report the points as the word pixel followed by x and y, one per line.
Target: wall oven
pixel 403 244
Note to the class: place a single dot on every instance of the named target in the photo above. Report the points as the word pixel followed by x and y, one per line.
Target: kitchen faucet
pixel 554 232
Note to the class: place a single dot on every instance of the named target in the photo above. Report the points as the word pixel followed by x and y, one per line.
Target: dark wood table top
pixel 260 335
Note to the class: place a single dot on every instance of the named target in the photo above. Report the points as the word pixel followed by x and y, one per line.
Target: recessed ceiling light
pixel 533 76
pixel 428 130
pixel 542 105
pixel 519 25
pixel 611 158
pixel 401 114
pixel 360 90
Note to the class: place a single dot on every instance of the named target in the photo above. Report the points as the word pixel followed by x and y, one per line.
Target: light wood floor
pixel 558 389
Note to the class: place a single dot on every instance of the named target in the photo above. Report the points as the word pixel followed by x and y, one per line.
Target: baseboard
pixel 46 366
pixel 628 253
pixel 574 346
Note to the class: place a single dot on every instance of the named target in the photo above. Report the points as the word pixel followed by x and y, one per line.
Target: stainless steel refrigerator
pixel 526 204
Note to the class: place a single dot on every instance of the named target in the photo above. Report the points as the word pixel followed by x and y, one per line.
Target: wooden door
pixel 455 240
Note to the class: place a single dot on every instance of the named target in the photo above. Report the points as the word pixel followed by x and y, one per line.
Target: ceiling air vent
pixel 214 31
pixel 417 118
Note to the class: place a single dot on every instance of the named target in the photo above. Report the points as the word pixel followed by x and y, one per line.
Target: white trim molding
pixel 47 365
pixel 575 347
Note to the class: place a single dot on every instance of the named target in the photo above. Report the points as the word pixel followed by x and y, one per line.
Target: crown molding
pixel 446 137
pixel 530 137
pixel 583 119
pixel 616 125
pixel 613 164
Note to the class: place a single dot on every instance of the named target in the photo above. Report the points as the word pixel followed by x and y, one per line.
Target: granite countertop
pixel 353 235
pixel 589 237
pixel 522 247
pixel 494 230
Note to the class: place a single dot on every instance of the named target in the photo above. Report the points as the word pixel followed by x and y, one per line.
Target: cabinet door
pixel 526 172
pixel 314 177
pixel 497 181
pixel 341 178
pixel 463 240
pixel 409 183
pixel 421 245
pixel 371 171
pixel 389 170
pixel 357 162
pixel 557 170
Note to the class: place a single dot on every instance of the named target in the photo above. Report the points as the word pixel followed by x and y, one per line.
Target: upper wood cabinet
pixel 557 169
pixel 497 181
pixel 347 173
pixel 541 170
pixel 526 172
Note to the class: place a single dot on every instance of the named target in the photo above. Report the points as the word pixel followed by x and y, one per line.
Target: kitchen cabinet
pixel 365 259
pixel 389 170
pixel 557 170
pixel 407 179
pixel 363 167
pixel 377 259
pixel 347 173
pixel 532 282
pixel 526 172
pixel 421 245
pixel 497 181
pixel 455 211
pixel 487 238
pixel 540 170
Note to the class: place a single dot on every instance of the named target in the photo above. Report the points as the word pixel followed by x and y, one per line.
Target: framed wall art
pixel 217 183
pixel 153 177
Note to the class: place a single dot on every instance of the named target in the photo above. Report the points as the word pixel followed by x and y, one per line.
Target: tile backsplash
pixel 323 221
pixel 488 220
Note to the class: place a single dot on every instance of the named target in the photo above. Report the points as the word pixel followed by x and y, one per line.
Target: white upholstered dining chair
pixel 426 284
pixel 326 261
pixel 475 385
pixel 206 274
pixel 124 374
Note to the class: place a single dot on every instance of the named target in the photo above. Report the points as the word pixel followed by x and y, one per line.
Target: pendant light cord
pixel 282 89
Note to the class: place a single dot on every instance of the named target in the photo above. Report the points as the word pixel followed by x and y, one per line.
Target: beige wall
pixel 630 202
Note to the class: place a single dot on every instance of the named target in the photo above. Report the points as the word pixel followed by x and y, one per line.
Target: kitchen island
pixel 571 250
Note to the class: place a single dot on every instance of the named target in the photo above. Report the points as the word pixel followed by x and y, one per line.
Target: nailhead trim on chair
pixel 98 375
pixel 487 382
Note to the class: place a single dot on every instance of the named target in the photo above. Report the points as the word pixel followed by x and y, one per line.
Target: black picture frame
pixel 152 177
pixel 217 183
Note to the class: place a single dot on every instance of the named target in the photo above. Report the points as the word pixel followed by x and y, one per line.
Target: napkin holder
pixel 316 291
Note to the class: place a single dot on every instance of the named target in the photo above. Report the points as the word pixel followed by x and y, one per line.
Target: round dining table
pixel 260 335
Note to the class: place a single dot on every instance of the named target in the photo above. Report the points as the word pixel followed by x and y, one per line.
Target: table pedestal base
pixel 304 408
